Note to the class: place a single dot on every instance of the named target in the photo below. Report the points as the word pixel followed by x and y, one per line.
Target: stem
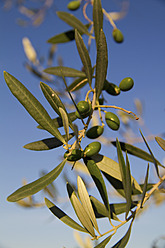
pixel 109 18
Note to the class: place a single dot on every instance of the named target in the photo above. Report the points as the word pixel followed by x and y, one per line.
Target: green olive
pixel 117 35
pixel 126 84
pixel 73 5
pixel 75 155
pixel 92 149
pixel 112 121
pixel 84 109
pixel 112 89
pixel 94 132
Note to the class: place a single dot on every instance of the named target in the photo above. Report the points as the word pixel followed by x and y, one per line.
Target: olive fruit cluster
pixel 73 5
pixel 112 121
pixel 90 150
pixel 84 109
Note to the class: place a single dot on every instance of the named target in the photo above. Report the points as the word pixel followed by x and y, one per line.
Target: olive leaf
pixel 101 64
pixel 32 105
pixel 73 22
pixel 135 151
pixel 128 185
pixel 77 84
pixel 97 18
pixel 64 217
pixel 36 186
pixel 80 211
pixel 65 123
pixel 98 179
pixel 161 142
pixel 65 36
pixel 66 71
pixel 84 55
pixel 86 203
pixel 123 241
pixel 46 144
pixel 145 186
pixel 104 242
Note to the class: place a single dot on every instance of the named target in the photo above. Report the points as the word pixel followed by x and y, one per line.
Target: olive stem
pixel 84 80
pixel 108 15
pixel 115 107
pixel 84 12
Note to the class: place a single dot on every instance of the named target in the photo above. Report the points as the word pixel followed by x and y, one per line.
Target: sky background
pixel 141 56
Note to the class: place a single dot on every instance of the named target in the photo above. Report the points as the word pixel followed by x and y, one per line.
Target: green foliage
pixel 87 208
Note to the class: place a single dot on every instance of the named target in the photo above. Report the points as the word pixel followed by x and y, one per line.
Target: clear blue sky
pixel 141 56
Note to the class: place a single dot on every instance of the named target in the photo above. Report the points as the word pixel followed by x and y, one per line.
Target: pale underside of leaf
pixel 145 187
pixel 161 142
pixel 36 186
pixel 64 217
pixel 65 123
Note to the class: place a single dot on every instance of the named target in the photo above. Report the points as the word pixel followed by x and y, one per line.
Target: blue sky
pixel 141 56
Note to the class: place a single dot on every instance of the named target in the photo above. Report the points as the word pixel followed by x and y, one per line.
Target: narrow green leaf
pixel 46 144
pixel 80 210
pixel 145 186
pixel 128 186
pixel 66 71
pixel 65 37
pixel 77 84
pixel 135 151
pixel 64 217
pixel 73 22
pixel 97 18
pixel 32 105
pixel 36 186
pixel 101 64
pixel 54 100
pixel 115 208
pixel 84 55
pixel 111 168
pixel 104 242
pixel 86 203
pixel 122 165
pixel 155 162
pixel 98 179
pixel 122 242
pixel 58 121
pixel 65 123
pixel 161 142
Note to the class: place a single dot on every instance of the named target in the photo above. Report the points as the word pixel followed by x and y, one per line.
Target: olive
pixel 75 155
pixel 117 35
pixel 84 109
pixel 112 89
pixel 92 149
pixel 112 121
pixel 73 5
pixel 126 84
pixel 94 132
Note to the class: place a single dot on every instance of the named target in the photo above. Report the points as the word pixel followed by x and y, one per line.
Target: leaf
pixel 36 186
pixel 65 123
pixel 54 100
pixel 101 64
pixel 155 162
pixel 58 121
pixel 135 151
pixel 32 105
pixel 97 18
pixel 98 179
pixel 46 144
pixel 66 71
pixel 77 84
pixel 86 203
pixel 115 208
pixel 128 185
pixel 65 37
pixel 84 55
pixel 122 166
pixel 104 242
pixel 111 167
pixel 122 242
pixel 80 210
pixel 63 216
pixel 145 187
pixel 161 142
pixel 73 22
